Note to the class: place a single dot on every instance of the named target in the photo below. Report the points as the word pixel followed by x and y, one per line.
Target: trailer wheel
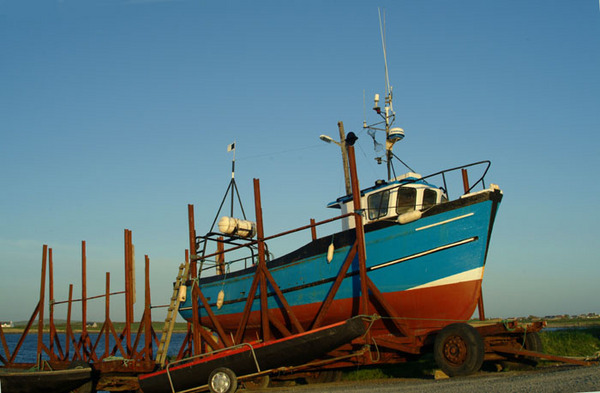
pixel 222 380
pixel 458 349
pixel 533 342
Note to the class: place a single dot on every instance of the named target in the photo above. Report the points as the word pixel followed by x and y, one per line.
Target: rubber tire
pixel 533 342
pixel 459 350
pixel 222 375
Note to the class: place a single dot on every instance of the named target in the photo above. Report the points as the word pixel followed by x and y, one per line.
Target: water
pixel 28 350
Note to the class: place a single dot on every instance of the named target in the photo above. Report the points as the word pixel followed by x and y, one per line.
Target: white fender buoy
pixel 182 293
pixel 411 216
pixel 220 299
pixel 330 251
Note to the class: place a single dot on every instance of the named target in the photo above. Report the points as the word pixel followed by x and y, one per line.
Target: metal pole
pixel 147 313
pixel 191 259
pixel 264 307
pixel 344 157
pixel 51 300
pixel 360 232
pixel 83 338
pixel 107 317
pixel 41 305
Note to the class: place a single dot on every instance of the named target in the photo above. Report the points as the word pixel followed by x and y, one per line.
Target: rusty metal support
pixel 344 148
pixel 69 331
pixel 334 288
pixel 51 300
pixel 107 317
pixel 360 232
pixel 313 229
pixel 504 349
pixel 199 295
pixel 191 259
pixel 25 332
pixel 247 309
pixel 41 307
pixel 220 260
pixel 264 307
pixel 465 179
pixel 84 335
pixel 128 294
pixel 148 312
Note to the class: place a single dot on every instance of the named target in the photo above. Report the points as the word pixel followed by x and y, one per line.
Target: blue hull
pixel 428 269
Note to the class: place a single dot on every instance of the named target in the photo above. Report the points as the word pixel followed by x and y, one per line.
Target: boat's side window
pixel 429 198
pixel 378 204
pixel 406 199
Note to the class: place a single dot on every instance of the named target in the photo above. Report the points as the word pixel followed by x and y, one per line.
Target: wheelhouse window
pixel 406 199
pixel 429 198
pixel 378 204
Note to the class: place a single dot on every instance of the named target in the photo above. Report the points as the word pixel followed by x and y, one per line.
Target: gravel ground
pixel 542 380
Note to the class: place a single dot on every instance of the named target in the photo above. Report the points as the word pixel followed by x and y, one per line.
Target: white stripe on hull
pixel 469 275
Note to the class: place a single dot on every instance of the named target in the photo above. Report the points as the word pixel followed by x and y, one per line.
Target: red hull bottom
pixel 419 309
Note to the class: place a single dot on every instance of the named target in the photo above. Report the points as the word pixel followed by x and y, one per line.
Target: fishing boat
pixel 424 252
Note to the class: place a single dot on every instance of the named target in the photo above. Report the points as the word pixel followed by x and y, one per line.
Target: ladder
pixel 165 339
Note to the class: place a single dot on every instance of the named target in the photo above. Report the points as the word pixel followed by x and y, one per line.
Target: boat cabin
pixel 389 200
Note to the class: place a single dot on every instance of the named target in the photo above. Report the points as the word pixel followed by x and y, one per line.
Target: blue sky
pixel 116 114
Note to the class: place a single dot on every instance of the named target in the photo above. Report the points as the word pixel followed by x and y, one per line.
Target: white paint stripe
pixel 420 254
pixel 469 275
pixel 445 222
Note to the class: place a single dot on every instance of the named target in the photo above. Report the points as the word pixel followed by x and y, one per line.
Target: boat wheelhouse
pixel 404 197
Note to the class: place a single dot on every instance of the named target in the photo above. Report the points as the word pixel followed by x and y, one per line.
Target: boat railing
pixel 217 237
pixel 468 188
pixel 252 244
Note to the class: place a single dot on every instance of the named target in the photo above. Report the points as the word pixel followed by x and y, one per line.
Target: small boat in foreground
pixel 56 381
pixel 221 368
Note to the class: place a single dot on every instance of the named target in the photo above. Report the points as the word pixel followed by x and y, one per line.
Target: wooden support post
pixel 69 330
pixel 127 329
pixel 192 259
pixel 84 335
pixel 360 231
pixel 107 322
pixel 41 308
pixel 480 307
pixel 148 312
pixel 465 179
pixel 220 256
pixel 51 300
pixel 260 235
pixel 313 229
pixel 334 288
pixel 247 309
pixel 344 157
pixel 25 332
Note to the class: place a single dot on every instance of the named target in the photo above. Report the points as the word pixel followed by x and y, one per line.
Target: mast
pixel 392 135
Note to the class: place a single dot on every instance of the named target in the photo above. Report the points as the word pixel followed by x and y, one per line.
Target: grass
pixel 571 342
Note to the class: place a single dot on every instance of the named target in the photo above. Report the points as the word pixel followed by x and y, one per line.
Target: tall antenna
pixel 392 135
pixel 382 31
